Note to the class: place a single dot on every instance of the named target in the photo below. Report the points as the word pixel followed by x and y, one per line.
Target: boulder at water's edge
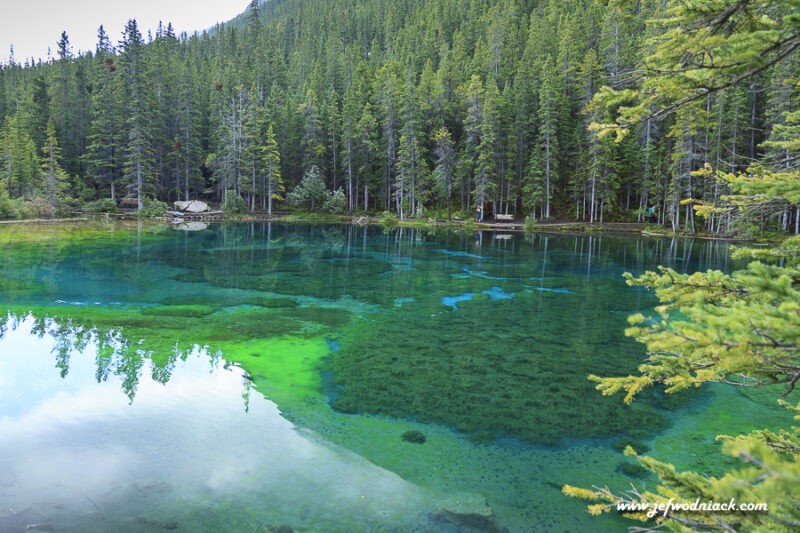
pixel 192 206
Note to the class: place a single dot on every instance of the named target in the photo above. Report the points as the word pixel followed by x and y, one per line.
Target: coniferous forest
pixel 415 107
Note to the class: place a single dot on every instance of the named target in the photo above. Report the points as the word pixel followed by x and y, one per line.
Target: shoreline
pixel 628 228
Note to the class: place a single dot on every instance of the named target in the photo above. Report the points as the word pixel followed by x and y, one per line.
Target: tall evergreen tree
pixel 271 161
pixel 368 142
pixel 139 162
pixel 445 164
pixel 55 179
pixel 104 153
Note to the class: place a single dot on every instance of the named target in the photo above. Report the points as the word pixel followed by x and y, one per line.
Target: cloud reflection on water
pixel 75 453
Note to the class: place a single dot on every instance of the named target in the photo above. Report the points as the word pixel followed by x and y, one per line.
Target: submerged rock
pixel 467 510
pixel 414 436
pixel 192 206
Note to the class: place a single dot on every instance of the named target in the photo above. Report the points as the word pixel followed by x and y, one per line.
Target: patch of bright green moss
pixel 284 369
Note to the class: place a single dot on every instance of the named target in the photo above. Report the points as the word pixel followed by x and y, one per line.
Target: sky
pixel 34 25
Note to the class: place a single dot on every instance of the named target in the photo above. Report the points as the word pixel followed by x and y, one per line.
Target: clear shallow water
pixel 250 375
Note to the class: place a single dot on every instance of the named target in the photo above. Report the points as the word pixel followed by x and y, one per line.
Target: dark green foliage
pixel 311 192
pixel 233 203
pixel 344 406
pixel 104 205
pixel 8 207
pixel 152 208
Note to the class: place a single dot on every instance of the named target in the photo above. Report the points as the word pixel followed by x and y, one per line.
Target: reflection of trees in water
pixel 116 354
pixel 589 254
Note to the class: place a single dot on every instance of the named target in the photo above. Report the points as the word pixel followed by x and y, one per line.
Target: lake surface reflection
pixel 76 454
pixel 249 377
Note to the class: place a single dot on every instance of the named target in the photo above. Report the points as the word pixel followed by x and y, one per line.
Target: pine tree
pixel 55 179
pixel 139 158
pixel 445 163
pixel 104 152
pixel 410 164
pixel 187 140
pixel 548 132
pixel 388 94
pixel 351 107
pixel 271 160
pixel 473 121
pixel 368 143
pixel 486 171
pixel 20 170
pixel 63 98
pixel 313 142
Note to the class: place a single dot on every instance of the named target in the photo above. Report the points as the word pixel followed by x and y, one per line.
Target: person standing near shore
pixel 479 214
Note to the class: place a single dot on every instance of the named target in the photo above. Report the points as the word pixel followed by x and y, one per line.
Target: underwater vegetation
pixel 490 337
pixel 633 470
pixel 508 366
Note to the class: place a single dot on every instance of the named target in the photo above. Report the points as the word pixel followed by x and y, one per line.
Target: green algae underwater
pixel 479 342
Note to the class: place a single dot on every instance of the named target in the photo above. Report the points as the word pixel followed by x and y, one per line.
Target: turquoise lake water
pixel 247 377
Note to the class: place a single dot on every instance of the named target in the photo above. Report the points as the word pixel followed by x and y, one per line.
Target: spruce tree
pixel 104 153
pixel 445 164
pixel 139 161
pixel 55 179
